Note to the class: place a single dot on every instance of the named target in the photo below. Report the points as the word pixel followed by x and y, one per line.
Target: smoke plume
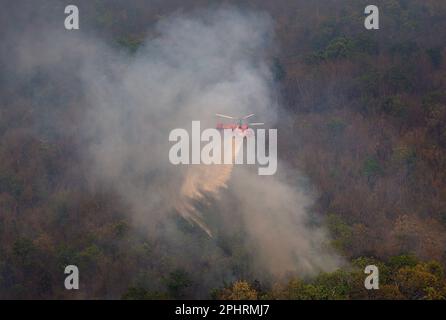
pixel 193 66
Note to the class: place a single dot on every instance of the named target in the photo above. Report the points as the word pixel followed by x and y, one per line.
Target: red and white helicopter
pixel 242 125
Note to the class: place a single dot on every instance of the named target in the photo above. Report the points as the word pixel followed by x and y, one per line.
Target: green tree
pixel 177 282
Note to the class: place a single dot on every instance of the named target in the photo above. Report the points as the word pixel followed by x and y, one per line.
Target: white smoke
pixel 197 65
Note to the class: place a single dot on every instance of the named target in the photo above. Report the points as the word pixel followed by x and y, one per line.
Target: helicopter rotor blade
pixel 224 116
pixel 248 116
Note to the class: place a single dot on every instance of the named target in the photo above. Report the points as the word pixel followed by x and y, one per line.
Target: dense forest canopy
pixel 362 119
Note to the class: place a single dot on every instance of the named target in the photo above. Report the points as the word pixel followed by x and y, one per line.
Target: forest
pixel 362 117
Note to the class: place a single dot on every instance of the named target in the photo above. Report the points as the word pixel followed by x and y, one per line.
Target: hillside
pixel 362 117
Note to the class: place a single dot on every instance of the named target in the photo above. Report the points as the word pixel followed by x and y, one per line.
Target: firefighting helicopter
pixel 241 122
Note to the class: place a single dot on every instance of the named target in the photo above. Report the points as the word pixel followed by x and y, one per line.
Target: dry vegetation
pixel 368 127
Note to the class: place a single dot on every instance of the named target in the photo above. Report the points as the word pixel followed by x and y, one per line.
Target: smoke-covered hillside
pixel 85 177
